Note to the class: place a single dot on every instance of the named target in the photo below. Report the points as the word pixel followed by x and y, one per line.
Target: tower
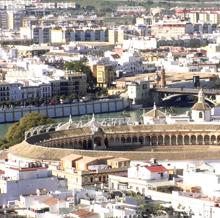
pixel 163 78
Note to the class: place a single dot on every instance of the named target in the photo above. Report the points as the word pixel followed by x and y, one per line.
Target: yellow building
pixel 204 17
pixel 57 35
pixel 214 18
pixel 83 171
pixel 118 162
pixel 105 75
pixel 116 36
pixel 193 17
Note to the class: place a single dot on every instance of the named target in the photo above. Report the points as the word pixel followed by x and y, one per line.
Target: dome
pixel 155 113
pixel 201 105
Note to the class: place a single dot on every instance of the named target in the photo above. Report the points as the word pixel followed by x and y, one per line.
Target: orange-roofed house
pixel 148 172
pixel 84 214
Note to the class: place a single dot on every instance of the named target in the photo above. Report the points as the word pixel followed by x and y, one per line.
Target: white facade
pixel 201 111
pixel 208 181
pixel 140 44
pixel 18 181
pixel 138 91
pixel 147 172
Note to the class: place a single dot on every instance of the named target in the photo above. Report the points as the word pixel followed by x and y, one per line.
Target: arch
pixel 186 140
pixel 117 140
pixel 193 139
pixel 167 140
pixel 200 140
pixel 104 179
pixel 98 141
pixel 206 139
pixel 173 140
pixel 84 144
pixel 141 139
pixel 106 142
pixel 123 139
pixel 134 139
pixel 128 140
pixel 80 144
pixel 160 140
pixel 100 178
pixel 154 140
pixel 218 139
pixel 173 96
pixel 75 144
pixel 179 140
pixel 147 140
pixel 200 115
pixel 90 144
pixel 28 135
pixel 111 140
pixel 213 139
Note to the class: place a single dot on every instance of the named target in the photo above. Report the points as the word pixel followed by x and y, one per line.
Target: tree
pixel 16 132
pixel 79 66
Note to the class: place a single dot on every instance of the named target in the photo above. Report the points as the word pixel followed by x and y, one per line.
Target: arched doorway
pixel 154 140
pixel 128 140
pixel 141 139
pixel 160 140
pixel 173 140
pixel 134 139
pixel 167 140
pixel 193 139
pixel 106 142
pixel 147 140
pixel 218 139
pixel 213 139
pixel 98 141
pixel 200 140
pixel 90 147
pixel 186 140
pixel 84 144
pixel 123 140
pixel 206 140
pixel 179 140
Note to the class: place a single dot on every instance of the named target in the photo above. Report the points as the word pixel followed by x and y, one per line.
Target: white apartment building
pixel 19 180
pixel 140 44
pixel 171 29
pixel 138 91
pixel 3 19
pixel 42 91
pixel 47 34
pixel 206 177
pixel 130 9
pixel 129 62
pixel 10 92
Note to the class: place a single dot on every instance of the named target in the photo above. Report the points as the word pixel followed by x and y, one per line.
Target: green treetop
pixel 16 132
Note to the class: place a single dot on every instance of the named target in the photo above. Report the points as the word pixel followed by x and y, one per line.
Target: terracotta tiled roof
pixel 201 106
pixel 155 113
pixel 83 213
pixel 156 169
pixel 51 201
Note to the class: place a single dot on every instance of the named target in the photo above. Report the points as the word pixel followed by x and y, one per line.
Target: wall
pixel 53 111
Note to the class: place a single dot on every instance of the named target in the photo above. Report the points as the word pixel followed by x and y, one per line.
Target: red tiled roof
pixel 156 169
pixel 83 213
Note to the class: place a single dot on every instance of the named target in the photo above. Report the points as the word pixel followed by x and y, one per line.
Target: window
pixel 200 115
